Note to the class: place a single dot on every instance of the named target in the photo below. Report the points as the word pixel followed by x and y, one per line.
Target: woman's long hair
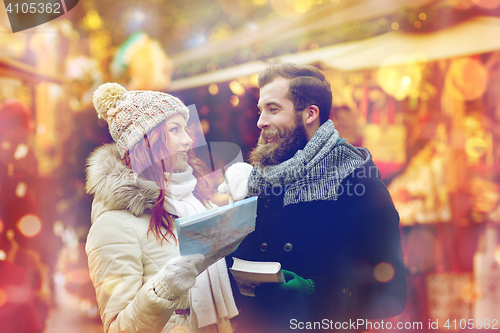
pixel 158 147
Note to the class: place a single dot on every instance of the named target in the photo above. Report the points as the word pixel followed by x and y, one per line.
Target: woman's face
pixel 176 127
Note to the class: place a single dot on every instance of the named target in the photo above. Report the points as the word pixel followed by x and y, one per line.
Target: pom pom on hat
pixel 106 97
pixel 132 114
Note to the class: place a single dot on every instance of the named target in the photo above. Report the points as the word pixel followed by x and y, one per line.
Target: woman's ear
pixel 311 114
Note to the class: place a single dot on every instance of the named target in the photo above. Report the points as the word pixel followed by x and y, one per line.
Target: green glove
pixel 295 288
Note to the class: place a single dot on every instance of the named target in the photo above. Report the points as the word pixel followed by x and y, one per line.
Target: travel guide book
pixel 216 233
pixel 249 274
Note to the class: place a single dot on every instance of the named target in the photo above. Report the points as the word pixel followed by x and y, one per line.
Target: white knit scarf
pixel 179 198
pixel 212 290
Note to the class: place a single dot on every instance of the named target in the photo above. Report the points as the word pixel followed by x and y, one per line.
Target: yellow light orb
pixel 475 147
pixel 395 26
pixel 237 88
pixel 497 253
pixel 234 100
pixel 29 225
pixel 205 126
pixel 383 272
pixel 92 20
pixel 213 89
pixel 254 80
pixel 400 80
pixel 466 79
pixel 422 16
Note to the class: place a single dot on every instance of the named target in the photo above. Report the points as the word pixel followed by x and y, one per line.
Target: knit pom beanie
pixel 132 114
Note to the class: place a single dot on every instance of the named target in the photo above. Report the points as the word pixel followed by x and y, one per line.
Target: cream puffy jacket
pixel 123 259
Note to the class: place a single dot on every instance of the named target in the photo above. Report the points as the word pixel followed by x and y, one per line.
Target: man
pixel 323 213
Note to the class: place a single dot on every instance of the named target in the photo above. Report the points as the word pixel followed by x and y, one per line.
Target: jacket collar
pixel 115 186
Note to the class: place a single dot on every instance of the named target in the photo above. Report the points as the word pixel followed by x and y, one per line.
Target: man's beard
pixel 286 143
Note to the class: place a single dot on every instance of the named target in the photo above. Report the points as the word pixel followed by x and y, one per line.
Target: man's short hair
pixel 307 86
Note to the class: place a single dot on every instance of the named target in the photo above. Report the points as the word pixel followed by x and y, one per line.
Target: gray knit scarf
pixel 314 173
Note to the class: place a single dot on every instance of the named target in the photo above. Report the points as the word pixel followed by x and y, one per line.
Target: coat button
pixel 288 247
pixel 267 203
pixel 263 247
pixel 346 292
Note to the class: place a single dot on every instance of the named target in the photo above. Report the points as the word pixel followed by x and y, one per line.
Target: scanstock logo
pixel 25 14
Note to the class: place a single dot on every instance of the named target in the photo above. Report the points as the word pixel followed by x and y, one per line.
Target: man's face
pixel 283 131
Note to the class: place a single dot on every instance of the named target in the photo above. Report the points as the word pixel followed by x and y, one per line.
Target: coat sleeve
pixel 125 303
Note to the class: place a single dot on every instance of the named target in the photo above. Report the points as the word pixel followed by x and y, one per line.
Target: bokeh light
pixel 460 4
pixel 254 80
pixel 417 24
pixel 395 26
pixel 237 88
pixel 21 189
pixel 3 297
pixel 213 89
pixel 383 272
pixel 58 228
pixel 113 285
pixel 497 254
pixel 466 79
pixel 29 225
pixel 422 16
pixel 3 255
pixel 1 226
pixel 21 151
pixel 205 126
pixel 92 21
pixel 402 80
pixel 234 100
pixel 475 148
pixel 291 8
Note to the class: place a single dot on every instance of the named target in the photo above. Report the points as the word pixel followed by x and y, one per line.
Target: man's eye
pixel 273 109
pixel 173 129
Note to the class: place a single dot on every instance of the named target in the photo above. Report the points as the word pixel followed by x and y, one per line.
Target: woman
pixel 140 184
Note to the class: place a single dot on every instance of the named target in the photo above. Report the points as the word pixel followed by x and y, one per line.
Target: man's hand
pixel 295 289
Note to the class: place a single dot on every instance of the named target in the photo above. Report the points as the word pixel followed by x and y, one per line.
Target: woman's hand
pixel 178 275
pixel 236 180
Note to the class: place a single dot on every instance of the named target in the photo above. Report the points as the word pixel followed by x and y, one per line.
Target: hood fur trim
pixel 116 185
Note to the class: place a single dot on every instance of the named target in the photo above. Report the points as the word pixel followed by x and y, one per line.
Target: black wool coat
pixel 350 248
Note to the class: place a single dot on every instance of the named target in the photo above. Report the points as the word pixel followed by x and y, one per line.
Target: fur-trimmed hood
pixel 115 186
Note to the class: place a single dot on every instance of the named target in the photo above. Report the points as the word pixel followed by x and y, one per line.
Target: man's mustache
pixel 271 134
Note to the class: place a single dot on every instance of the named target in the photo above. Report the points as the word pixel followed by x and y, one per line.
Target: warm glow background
pixel 415 81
